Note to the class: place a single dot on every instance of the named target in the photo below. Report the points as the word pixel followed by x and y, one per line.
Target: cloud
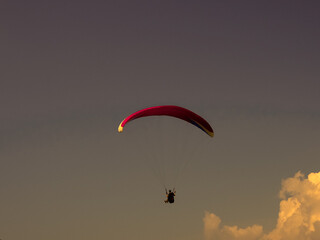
pixel 213 230
pixel 298 219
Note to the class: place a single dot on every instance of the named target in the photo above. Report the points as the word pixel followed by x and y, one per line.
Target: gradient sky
pixel 70 71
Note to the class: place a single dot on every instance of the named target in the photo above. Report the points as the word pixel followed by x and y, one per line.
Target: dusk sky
pixel 71 71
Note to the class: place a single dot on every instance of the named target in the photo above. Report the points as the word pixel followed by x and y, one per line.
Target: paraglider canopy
pixel 172 111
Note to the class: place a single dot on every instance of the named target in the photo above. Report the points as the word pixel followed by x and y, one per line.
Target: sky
pixel 71 71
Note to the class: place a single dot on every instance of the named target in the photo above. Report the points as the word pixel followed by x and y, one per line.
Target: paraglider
pixel 170 196
pixel 172 111
pixel 175 112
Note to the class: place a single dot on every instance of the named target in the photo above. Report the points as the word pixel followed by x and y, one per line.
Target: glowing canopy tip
pixel 120 128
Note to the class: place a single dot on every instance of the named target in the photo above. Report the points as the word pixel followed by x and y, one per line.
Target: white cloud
pixel 298 219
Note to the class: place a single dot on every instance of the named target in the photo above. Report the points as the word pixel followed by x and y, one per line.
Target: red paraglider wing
pixel 173 111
